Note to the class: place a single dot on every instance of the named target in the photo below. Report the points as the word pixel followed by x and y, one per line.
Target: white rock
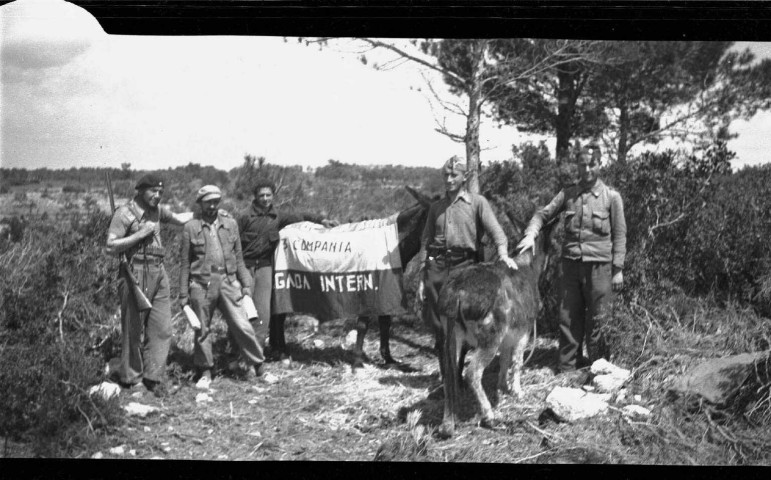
pixel 621 396
pixel 117 450
pixel 137 395
pixel 608 378
pixel 166 449
pixel 269 378
pixel 571 404
pixel 133 452
pixel 318 343
pixel 635 411
pixel 350 340
pixel 139 410
pixel 604 367
pixel 97 455
pixel 106 390
pixel 608 383
pixel 203 397
pixel 146 429
pixel 638 398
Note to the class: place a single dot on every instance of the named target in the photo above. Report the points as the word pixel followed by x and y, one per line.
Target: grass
pixel 320 410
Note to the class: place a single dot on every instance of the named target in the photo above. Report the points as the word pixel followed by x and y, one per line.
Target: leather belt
pixel 147 260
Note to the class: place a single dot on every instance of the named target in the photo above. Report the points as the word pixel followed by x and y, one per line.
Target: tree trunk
pixel 623 132
pixel 474 113
pixel 566 99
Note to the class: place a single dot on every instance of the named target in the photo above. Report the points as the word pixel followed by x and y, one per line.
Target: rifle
pixel 124 272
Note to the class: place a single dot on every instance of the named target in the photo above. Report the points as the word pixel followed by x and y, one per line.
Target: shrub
pixel 57 295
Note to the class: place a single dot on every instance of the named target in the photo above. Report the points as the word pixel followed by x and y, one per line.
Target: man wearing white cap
pixel 452 239
pixel 213 275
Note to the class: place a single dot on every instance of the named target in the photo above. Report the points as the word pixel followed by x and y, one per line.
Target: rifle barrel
pixel 109 192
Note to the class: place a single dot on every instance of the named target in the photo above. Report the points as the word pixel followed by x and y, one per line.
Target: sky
pixel 71 95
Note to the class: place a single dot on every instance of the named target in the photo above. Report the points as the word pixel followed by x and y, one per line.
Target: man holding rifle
pixel 136 233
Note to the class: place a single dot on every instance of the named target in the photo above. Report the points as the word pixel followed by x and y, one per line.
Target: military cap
pixel 208 192
pixel 592 150
pixel 149 181
pixel 454 164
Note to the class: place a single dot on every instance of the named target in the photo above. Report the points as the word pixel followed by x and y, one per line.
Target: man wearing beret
pixel 213 275
pixel 135 229
pixel 452 239
pixel 593 254
pixel 259 227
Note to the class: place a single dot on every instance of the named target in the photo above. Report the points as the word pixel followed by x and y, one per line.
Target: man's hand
pixel 147 229
pixel 526 243
pixel 327 223
pixel 510 262
pixel 244 292
pixel 618 280
pixel 183 301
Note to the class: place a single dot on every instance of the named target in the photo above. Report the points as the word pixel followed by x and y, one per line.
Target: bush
pixel 694 224
pixel 57 295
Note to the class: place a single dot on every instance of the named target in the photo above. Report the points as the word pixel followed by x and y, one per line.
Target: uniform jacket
pixel 128 219
pixel 595 229
pixel 259 232
pixel 461 223
pixel 193 253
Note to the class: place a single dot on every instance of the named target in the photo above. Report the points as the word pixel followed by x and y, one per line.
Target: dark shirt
pixel 259 232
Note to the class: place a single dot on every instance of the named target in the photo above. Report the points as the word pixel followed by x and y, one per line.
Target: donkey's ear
pixel 518 224
pixel 422 199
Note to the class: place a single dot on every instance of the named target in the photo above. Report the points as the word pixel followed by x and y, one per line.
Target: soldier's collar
pixel 596 189
pixel 463 194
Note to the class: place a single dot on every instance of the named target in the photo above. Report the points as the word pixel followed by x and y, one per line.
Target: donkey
pixel 409 224
pixel 485 308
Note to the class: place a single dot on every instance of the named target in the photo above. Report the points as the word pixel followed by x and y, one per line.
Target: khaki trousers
pixel 146 337
pixel 585 293
pixel 222 292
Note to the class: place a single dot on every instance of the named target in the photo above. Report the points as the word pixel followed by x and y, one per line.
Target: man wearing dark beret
pixel 135 230
pixel 593 254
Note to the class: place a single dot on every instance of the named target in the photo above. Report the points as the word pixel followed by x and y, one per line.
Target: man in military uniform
pixel 213 275
pixel 593 254
pixel 135 229
pixel 452 239
pixel 259 227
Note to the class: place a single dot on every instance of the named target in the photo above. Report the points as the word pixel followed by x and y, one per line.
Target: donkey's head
pixel 410 223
